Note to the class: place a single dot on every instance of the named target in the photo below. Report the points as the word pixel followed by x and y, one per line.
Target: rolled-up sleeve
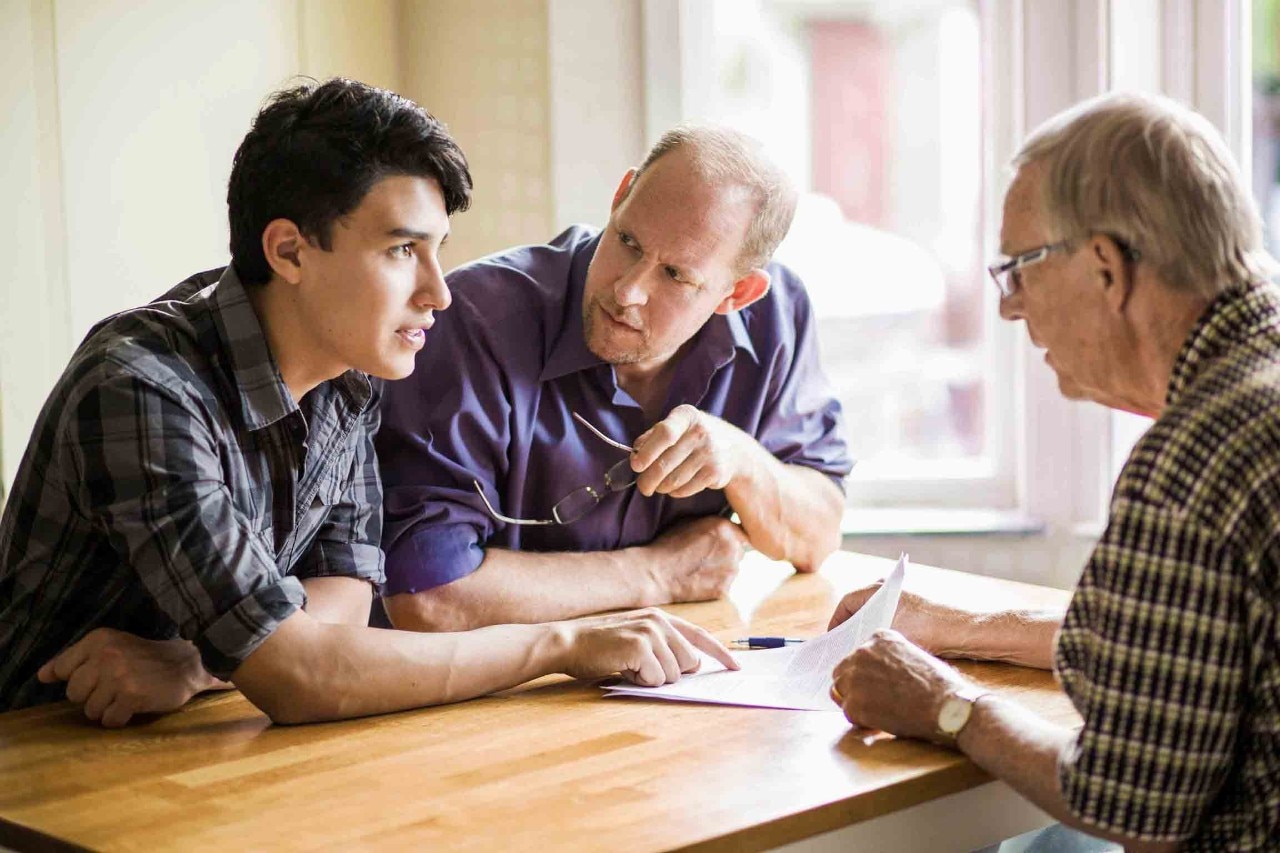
pixel 803 423
pixel 149 474
pixel 443 427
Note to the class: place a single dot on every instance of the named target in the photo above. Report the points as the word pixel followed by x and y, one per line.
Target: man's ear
pixel 1114 270
pixel 624 187
pixel 282 244
pixel 746 290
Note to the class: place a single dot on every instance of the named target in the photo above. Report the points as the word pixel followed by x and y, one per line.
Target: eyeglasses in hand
pixel 583 499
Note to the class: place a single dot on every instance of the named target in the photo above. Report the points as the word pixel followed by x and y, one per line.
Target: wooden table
pixel 552 765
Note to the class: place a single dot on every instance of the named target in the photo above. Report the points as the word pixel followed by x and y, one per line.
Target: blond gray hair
pixel 725 157
pixel 1157 176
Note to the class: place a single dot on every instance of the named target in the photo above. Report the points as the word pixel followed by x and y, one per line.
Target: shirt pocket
pixel 330 492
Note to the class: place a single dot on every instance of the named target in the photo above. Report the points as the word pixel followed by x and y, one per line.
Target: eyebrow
pixel 412 234
pixel 686 271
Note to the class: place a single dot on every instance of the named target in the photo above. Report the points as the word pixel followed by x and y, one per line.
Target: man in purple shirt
pixel 592 410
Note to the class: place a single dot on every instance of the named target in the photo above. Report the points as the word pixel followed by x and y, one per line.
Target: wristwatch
pixel 956 709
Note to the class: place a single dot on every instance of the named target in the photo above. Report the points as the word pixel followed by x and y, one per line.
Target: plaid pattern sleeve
pixel 1158 683
pixel 148 468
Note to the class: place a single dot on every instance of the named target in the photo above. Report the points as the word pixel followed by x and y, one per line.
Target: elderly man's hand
pixel 1021 635
pixel 689 451
pixel 115 675
pixel 937 628
pixel 891 685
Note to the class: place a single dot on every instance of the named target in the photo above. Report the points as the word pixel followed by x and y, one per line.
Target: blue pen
pixel 766 642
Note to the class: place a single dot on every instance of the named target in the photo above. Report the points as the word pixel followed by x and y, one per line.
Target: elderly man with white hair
pixel 1134 258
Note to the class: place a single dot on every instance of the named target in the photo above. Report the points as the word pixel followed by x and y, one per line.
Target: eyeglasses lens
pixel 575 505
pixel 620 476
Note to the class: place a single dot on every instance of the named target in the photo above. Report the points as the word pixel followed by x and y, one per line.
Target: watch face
pixel 954 714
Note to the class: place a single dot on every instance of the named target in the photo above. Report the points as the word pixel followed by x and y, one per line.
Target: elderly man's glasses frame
pixel 583 499
pixel 1006 272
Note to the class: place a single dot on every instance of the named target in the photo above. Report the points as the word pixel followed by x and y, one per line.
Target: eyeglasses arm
pixel 500 517
pixel 598 434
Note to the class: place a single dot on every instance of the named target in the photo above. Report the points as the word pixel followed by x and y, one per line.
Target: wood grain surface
pixel 550 765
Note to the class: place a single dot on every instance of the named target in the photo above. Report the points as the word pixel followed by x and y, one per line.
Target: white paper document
pixel 794 677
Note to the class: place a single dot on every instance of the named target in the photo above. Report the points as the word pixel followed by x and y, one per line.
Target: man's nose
pixel 432 292
pixel 1011 306
pixel 630 288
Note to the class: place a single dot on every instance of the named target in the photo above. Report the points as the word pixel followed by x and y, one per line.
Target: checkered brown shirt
pixel 172 487
pixel 1171 646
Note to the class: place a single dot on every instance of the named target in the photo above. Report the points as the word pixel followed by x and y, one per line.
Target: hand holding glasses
pixel 583 499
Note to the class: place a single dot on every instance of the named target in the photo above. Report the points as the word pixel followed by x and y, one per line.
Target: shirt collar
pixel 1235 316
pixel 569 353
pixel 264 397
pixel 738 332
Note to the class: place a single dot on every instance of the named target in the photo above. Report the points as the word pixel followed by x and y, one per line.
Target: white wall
pixel 147 136
pixel 34 324
pixel 121 119
pixel 596 104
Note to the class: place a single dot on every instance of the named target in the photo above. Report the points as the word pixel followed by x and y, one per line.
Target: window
pixel 876 110
pixel 1265 73
pixel 1195 52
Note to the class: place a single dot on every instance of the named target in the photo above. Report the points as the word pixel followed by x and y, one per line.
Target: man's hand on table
pixel 696 560
pixel 892 685
pixel 648 647
pixel 115 675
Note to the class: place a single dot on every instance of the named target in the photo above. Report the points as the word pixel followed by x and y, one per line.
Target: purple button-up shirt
pixel 500 374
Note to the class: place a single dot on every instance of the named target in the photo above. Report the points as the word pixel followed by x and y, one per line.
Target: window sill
pixel 938 522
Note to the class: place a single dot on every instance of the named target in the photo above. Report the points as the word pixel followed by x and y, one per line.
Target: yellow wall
pixel 481 66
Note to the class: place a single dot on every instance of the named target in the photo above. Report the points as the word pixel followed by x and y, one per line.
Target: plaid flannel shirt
pixel 173 488
pixel 1171 645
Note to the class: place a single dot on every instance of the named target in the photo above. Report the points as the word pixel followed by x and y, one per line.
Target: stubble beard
pixel 590 326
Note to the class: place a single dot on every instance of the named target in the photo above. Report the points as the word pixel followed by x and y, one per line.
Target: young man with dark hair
pixel 200 498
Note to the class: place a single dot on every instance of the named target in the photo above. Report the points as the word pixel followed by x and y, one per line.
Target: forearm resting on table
pixel 1022 749
pixel 789 512
pixel 527 587
pixel 309 671
pixel 339 600
pixel 1025 637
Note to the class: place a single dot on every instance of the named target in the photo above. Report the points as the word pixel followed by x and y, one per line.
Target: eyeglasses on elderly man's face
pixel 1006 272
pixel 583 499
